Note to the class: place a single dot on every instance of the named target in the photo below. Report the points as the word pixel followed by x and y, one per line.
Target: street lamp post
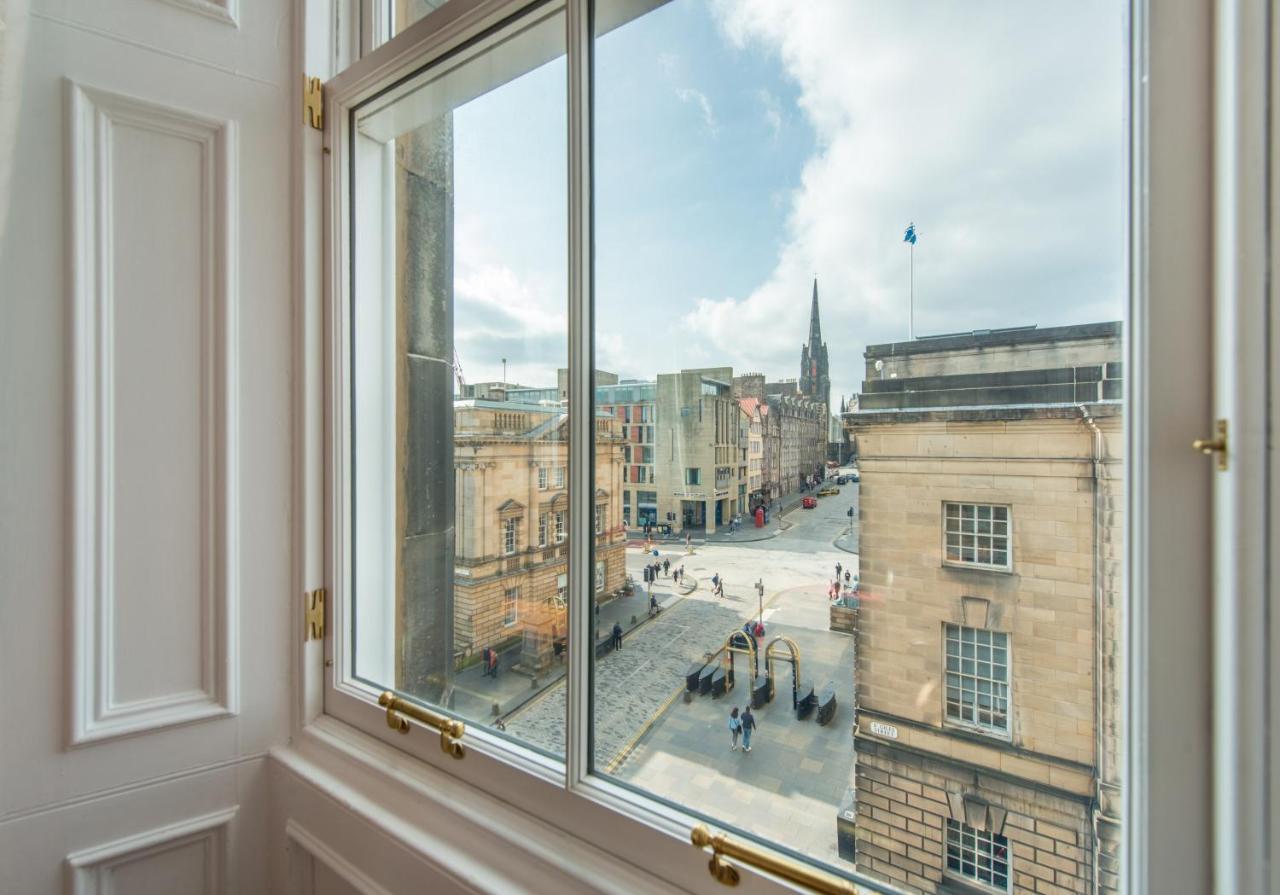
pixel 760 598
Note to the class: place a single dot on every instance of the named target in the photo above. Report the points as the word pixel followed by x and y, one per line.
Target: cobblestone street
pixel 788 788
pixel 634 684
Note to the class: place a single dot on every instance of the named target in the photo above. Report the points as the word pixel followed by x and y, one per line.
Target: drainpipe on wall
pixel 1097 456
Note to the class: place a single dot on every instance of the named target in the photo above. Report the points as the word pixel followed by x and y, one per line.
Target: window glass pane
pixel 870 277
pixel 458 303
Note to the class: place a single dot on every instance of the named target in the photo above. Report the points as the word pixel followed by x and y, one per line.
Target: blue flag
pixel 910 235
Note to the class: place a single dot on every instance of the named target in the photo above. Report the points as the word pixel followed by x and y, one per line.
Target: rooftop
pixel 992 338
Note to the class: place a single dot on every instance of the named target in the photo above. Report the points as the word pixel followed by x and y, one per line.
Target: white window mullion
pixel 579 46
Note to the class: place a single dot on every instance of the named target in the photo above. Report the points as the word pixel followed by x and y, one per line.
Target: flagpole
pixel 911 291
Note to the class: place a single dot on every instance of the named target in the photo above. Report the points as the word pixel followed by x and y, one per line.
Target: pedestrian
pixel 484 662
pixel 653 605
pixel 846 577
pixel 666 567
pixel 748 725
pixel 735 728
pixel 837 571
pixel 617 635
pixel 715 581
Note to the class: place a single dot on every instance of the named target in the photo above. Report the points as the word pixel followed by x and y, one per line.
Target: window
pixel 510 540
pixel 425 591
pixel 510 606
pixel 977 677
pixel 977 535
pixel 977 687
pixel 977 855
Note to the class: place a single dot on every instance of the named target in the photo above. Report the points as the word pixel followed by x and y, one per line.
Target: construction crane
pixel 457 374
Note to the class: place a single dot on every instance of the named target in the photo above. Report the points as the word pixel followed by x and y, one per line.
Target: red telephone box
pixel 759 517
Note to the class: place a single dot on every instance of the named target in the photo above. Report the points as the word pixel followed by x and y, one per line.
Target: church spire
pixel 815 325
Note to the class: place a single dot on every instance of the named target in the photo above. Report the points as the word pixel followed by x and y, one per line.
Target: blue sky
pixel 744 145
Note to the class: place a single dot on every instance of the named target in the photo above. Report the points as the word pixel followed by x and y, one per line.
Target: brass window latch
pixel 792 871
pixel 1216 445
pixel 451 730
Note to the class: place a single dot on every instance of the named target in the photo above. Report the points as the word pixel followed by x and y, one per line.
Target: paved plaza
pixel 788 787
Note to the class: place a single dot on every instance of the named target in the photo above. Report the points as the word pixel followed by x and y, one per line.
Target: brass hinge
pixel 313 102
pixel 313 624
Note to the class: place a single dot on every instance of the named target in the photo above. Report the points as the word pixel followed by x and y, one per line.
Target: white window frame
pixel 560 526
pixel 599 518
pixel 559 477
pixel 950 720
pixel 980 839
pixel 542 478
pixel 1007 565
pixel 510 606
pixel 1167 823
pixel 600 576
pixel 542 529
pixel 510 536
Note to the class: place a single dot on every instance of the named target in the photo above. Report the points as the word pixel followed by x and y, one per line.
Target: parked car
pixel 827 490
pixel 842 480
pixel 809 503
pixel 853 476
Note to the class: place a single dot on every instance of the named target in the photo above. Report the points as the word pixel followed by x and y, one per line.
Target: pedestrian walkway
pixel 475 694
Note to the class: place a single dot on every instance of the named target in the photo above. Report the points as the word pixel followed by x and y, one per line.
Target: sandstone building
pixel 511 554
pixel 988 688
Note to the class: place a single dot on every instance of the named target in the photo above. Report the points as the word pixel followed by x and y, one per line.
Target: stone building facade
pixel 802 439
pixel 988 670
pixel 696 456
pixel 752 486
pixel 512 521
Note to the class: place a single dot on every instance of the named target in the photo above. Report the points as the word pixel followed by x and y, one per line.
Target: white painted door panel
pixel 145 290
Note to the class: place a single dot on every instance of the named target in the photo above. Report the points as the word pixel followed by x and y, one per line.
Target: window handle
pixel 451 729
pixel 1214 446
pixel 785 868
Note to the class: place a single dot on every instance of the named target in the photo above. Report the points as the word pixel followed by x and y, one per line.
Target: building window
pixel 976 855
pixel 562 589
pixel 559 526
pixel 977 534
pixel 978 677
pixel 542 529
pixel 510 606
pixel 600 577
pixel 509 538
pixel 599 518
pixel 542 478
pixel 559 476
pixel 693 476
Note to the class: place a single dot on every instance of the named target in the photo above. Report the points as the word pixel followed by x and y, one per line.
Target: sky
pixel 744 147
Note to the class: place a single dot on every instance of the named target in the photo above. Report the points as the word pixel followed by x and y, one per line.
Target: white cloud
pixel 499 313
pixel 772 111
pixel 698 98
pixel 1001 136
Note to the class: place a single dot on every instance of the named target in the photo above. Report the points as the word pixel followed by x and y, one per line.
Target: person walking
pixel 748 725
pixel 735 729
pixel 838 571
pixel 666 567
pixel 617 635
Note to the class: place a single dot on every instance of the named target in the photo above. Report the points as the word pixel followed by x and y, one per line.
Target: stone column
pixel 424 455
